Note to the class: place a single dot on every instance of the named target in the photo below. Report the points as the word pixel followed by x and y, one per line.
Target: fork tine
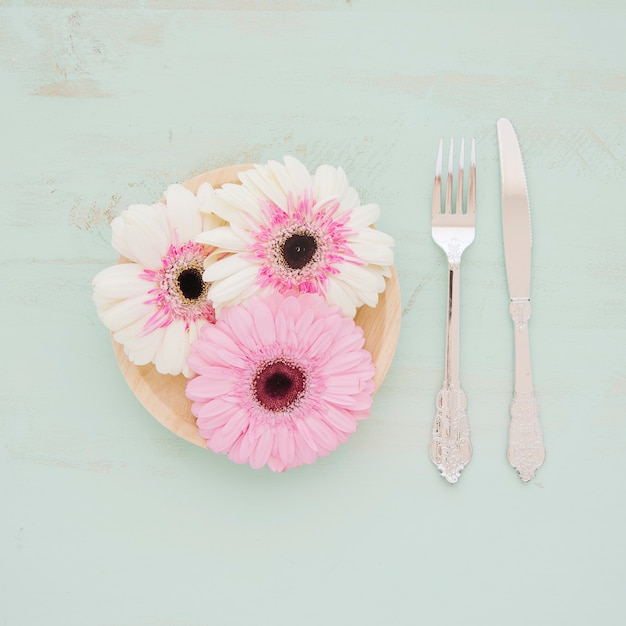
pixel 459 182
pixel 471 189
pixel 436 206
pixel 448 205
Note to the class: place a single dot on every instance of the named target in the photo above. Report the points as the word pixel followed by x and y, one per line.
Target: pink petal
pixel 355 402
pixel 345 362
pixel 224 438
pixel 275 464
pixel 212 421
pixel 323 433
pixel 234 454
pixel 263 322
pixel 219 347
pixel 282 327
pixel 291 308
pixel 286 445
pixel 304 452
pixel 248 443
pixel 239 318
pixel 306 434
pixel 339 419
pixel 262 450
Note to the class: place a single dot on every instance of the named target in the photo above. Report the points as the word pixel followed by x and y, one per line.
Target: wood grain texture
pixel 164 397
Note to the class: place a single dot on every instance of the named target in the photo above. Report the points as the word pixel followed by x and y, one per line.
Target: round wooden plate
pixel 164 396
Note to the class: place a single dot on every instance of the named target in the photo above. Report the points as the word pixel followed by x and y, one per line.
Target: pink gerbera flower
pixel 156 304
pixel 281 381
pixel 292 231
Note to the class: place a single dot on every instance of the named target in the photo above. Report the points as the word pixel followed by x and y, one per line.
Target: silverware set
pixel 453 230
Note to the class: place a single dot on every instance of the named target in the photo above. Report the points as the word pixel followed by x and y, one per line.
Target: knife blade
pixel 526 451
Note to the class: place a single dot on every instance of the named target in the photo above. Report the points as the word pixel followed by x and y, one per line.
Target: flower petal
pixel 142 234
pixel 171 357
pixel 125 312
pixel 339 419
pixel 225 437
pixel 142 349
pixel 223 237
pixel 227 290
pixel 229 265
pixel 262 449
pixel 286 446
pixel 119 282
pixel 264 323
pixel 363 216
pixel 183 214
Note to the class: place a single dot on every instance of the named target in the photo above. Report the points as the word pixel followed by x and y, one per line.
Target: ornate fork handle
pixel 450 448
pixel 526 451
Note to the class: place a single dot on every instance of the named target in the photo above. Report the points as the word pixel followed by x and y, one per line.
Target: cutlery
pixel 525 451
pixel 453 231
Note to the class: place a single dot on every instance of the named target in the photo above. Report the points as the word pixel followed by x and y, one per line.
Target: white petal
pixel 230 213
pixel 142 234
pixel 337 294
pixel 226 267
pixel 224 238
pixel 119 282
pixel 362 278
pixel 263 185
pixel 374 254
pixel 331 182
pixel 205 195
pixel 211 220
pixel 349 200
pixel 179 197
pixel 191 335
pixel 373 236
pixel 182 213
pixel 124 312
pixel 325 182
pixel 363 216
pixel 240 197
pixel 142 350
pixel 231 289
pixel 293 176
pixel 128 334
pixel 172 354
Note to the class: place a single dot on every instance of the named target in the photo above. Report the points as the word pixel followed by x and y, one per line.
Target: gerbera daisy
pixel 291 231
pixel 156 304
pixel 281 380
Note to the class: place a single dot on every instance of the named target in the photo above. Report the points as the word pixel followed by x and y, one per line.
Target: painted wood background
pixel 109 519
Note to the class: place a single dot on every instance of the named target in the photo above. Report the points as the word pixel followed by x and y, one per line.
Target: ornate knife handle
pixel 450 448
pixel 526 451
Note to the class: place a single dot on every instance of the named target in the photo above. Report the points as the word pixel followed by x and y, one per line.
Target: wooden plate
pixel 164 396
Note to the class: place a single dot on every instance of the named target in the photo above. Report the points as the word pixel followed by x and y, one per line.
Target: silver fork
pixel 450 449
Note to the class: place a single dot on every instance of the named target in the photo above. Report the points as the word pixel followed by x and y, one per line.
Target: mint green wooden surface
pixel 110 520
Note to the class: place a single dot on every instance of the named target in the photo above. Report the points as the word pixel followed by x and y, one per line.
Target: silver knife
pixel 526 451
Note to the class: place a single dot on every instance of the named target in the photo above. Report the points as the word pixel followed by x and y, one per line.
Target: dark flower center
pixel 191 284
pixel 278 385
pixel 298 250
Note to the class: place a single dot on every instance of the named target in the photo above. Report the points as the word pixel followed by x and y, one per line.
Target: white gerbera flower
pixel 156 304
pixel 292 231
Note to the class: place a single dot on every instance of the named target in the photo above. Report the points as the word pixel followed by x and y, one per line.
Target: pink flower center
pixel 278 385
pixel 179 291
